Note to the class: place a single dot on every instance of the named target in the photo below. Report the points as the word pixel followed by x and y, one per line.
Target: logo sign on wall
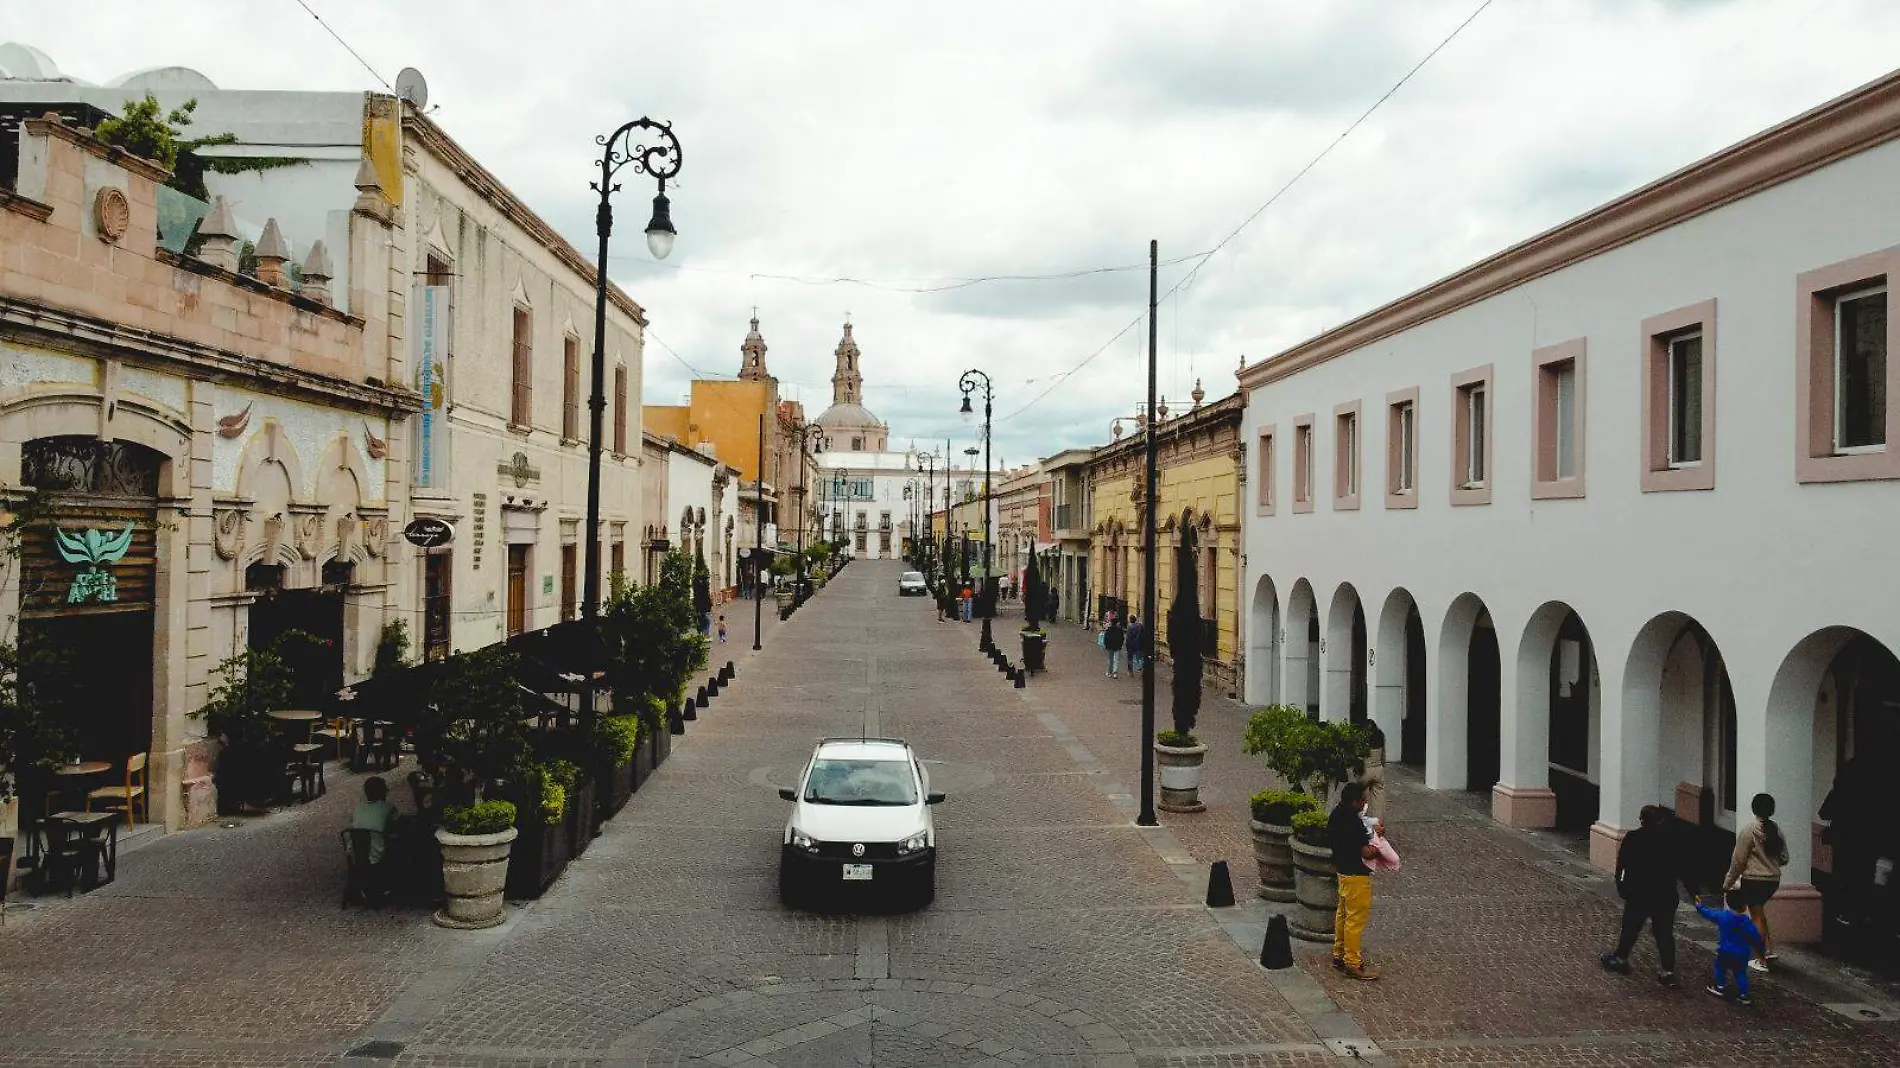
pixel 432 366
pixel 428 532
pixel 95 550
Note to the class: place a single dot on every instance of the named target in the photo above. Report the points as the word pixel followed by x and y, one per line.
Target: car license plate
pixel 857 873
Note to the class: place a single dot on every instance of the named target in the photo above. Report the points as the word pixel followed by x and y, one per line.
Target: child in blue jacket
pixel 1739 943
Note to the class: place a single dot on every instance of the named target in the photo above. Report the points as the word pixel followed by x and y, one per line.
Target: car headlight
pixel 913 843
pixel 804 841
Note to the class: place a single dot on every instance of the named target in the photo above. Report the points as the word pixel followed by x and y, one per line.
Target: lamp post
pixel 968 384
pixel 758 547
pixel 1146 818
pixel 661 160
pixel 811 437
pixel 928 461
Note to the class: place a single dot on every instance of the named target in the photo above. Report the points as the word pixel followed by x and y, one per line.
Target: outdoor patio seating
pixel 130 795
pixel 75 852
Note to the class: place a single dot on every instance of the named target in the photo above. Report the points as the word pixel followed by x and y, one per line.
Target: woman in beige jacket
pixel 1755 870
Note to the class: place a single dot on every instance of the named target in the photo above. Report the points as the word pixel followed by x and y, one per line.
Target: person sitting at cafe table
pixel 375 813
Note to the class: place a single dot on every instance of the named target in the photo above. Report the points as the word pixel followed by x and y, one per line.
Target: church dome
pixel 853 416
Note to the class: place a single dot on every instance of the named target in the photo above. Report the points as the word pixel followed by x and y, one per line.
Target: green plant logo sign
pixel 95 550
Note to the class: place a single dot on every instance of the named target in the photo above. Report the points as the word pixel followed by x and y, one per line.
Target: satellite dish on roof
pixel 411 86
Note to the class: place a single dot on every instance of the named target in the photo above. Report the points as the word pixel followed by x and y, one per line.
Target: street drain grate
pixel 1355 1048
pixel 1861 1011
pixel 380 1049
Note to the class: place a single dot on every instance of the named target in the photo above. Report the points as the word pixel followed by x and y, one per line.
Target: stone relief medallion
pixel 376 531
pixel 309 530
pixel 228 531
pixel 112 213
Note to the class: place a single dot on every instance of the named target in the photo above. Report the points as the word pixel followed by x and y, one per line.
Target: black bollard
pixel 1021 676
pixel 675 722
pixel 702 700
pixel 731 671
pixel 1220 886
pixel 686 710
pixel 1276 952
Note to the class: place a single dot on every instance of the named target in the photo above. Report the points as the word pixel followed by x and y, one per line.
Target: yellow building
pixel 1199 467
pixel 726 413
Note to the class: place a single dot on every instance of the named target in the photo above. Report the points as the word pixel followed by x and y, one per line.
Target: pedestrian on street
pixel 1137 642
pixel 1374 778
pixel 1352 847
pixel 1113 638
pixel 1055 603
pixel 1855 812
pixel 965 599
pixel 1755 870
pixel 722 628
pixel 1648 869
pixel 1740 940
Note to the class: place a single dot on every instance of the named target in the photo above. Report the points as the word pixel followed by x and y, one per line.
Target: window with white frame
pixel 1472 418
pixel 1405 421
pixel 1346 480
pixel 1685 399
pixel 1303 464
pixel 1860 370
pixel 1564 390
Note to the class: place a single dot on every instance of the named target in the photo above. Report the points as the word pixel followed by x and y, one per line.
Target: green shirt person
pixel 374 813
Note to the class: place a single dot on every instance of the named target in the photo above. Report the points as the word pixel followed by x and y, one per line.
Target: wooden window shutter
pixel 523 407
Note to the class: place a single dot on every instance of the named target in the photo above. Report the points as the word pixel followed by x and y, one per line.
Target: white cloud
pixel 895 142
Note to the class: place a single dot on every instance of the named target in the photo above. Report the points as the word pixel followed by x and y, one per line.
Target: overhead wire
pixel 924 285
pixel 1188 276
pixel 346 46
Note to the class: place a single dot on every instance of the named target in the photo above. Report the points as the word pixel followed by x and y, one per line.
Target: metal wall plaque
pixel 428 532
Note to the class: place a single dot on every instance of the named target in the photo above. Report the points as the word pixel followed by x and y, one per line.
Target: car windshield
pixel 912 576
pixel 861 782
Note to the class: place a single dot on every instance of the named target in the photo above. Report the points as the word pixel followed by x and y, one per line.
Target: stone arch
pixel 1299 655
pixel 1465 724
pixel 268 446
pixel 1344 651
pixel 1398 669
pixel 1263 630
pixel 77 414
pixel 339 459
pixel 1552 759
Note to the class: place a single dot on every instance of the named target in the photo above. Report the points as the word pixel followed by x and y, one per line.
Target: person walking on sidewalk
pixel 1755 870
pixel 1374 776
pixel 1740 941
pixel 1648 869
pixel 1137 645
pixel 1113 636
pixel 1352 847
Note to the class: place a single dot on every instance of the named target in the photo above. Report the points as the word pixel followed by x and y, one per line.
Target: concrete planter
pixel 1316 887
pixel 474 871
pixel 1273 853
pixel 1180 773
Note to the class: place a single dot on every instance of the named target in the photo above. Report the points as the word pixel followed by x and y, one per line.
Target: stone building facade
pixel 215 451
pixel 1199 464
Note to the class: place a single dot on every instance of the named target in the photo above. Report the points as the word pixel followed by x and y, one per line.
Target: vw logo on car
pixel 857 849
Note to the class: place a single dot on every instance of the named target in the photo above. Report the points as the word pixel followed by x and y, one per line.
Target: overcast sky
pixel 914 145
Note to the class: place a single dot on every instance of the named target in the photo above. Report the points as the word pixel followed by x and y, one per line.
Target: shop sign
pixel 96 550
pixel 428 532
pixel 432 366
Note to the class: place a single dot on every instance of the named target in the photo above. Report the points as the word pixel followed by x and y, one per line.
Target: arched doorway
pixel 1300 679
pixel 1345 652
pixel 1469 725
pixel 1857 747
pixel 1263 630
pixel 1552 772
pixel 88 573
pixel 1399 671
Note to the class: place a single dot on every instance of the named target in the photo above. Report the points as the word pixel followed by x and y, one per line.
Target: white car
pixel 860 821
pixel 912 582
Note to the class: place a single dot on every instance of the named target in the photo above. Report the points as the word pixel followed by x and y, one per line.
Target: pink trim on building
pixel 1548 365
pixel 1396 461
pixel 1660 474
pixel 1264 459
pixel 1349 444
pixel 1816 291
pixel 1303 463
pixel 1463 491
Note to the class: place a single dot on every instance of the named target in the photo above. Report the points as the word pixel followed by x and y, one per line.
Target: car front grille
pixel 872 851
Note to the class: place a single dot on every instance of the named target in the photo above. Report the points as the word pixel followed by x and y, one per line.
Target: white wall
pixel 1761 561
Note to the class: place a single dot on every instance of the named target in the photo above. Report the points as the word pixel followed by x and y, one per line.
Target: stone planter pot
pixel 1273 853
pixel 1180 774
pixel 1316 887
pixel 474 871
pixel 784 597
pixel 1035 650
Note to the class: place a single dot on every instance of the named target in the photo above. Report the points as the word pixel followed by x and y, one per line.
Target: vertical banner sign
pixel 432 383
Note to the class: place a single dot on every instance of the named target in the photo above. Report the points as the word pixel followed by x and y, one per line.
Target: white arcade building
pixel 1632 536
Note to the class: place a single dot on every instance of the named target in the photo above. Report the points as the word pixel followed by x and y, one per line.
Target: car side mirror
pixel 786 793
pixel 933 798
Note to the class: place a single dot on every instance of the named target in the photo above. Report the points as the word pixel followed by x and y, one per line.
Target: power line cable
pixel 1203 257
pixel 346 46
pixel 925 285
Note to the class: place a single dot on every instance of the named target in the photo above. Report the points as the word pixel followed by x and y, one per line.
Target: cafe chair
pixel 129 796
pixel 63 856
pixel 341 733
pixel 364 883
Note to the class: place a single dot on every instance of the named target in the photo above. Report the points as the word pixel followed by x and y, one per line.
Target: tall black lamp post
pixel 968 384
pixel 811 438
pixel 1146 816
pixel 625 147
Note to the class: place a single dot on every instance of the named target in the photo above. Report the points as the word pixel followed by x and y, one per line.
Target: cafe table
pixel 77 769
pixel 100 829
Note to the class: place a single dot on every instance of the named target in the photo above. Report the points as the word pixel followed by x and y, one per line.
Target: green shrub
pixel 619 737
pixel 1278 807
pixel 1176 739
pixel 1310 756
pixel 483 817
pixel 1310 826
pixel 555 780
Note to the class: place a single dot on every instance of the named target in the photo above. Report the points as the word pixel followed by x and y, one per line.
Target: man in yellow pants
pixel 1352 847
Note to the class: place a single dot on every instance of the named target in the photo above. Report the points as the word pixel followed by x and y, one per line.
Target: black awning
pixel 393 695
pixel 560 658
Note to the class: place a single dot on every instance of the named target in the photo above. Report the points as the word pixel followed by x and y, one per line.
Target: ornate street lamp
pixel 661 160
pixel 811 439
pixel 968 384
pixel 927 462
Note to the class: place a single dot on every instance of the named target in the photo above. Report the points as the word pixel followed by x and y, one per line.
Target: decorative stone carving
pixel 111 213
pixel 308 522
pixel 370 200
pixel 218 237
pixel 375 446
pixel 375 533
pixel 228 531
pixel 273 536
pixel 348 529
pixel 272 253
pixel 230 426
pixel 317 273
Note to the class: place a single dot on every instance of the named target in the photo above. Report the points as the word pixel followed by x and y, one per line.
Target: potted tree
pixel 783 567
pixel 1310 757
pixel 250 684
pixel 1178 753
pixel 471 736
pixel 1035 639
pixel 1315 883
pixel 1271 824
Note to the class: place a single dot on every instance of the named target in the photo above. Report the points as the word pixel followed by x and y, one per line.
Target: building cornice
pixel 1855 122
pixel 1207 417
pixel 91 336
pixel 478 178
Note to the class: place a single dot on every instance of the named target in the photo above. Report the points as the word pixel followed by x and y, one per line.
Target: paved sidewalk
pixel 1489 937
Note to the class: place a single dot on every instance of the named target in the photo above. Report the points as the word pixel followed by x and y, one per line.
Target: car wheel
pixel 791 890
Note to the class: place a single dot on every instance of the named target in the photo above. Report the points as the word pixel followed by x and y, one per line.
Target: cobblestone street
pixel 1061 933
